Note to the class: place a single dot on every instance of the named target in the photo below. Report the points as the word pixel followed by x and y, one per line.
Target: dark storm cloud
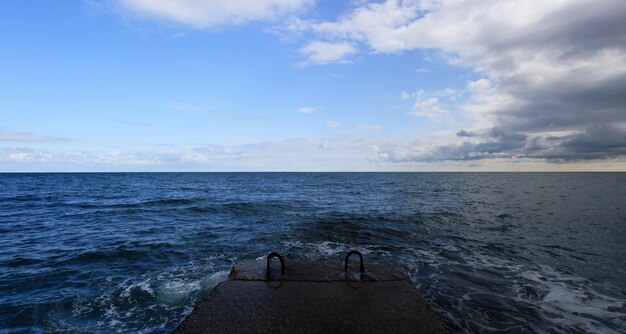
pixel 503 136
pixel 582 28
pixel 493 143
pixel 554 83
pixel 597 142
pixel 577 29
pixel 575 78
pixel 496 143
pixel 464 133
pixel 565 73
pixel 581 101
pixel 474 151
pixel 601 141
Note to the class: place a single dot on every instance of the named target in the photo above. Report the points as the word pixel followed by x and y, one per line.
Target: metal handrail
pixel 282 263
pixel 345 262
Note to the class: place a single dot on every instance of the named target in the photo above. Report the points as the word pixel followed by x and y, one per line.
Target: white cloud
pixel 368 127
pixel 333 124
pixel 307 110
pixel 211 13
pixel 324 53
pixel 450 25
pixel 450 93
pixel 428 107
pixel 480 86
pixel 19 156
pixel 405 96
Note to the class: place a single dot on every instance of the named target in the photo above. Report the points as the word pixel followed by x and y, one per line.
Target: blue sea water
pixel 491 252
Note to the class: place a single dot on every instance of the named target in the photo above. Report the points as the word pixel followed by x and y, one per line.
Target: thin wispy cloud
pixel 121 121
pixel 368 127
pixel 27 137
pixel 307 110
pixel 224 114
pixel 333 124
pixel 321 53
pixel 212 13
pixel 197 109
pixel 428 107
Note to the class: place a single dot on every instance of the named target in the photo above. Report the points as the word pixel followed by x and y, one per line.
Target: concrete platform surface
pixel 328 302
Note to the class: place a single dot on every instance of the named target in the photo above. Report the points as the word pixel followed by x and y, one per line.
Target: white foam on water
pixel 113 323
pixel 214 279
pixel 570 301
pixel 451 248
pixel 79 307
pixel 324 249
pixel 143 286
pixel 174 291
pixel 147 303
pixel 565 303
pixel 153 329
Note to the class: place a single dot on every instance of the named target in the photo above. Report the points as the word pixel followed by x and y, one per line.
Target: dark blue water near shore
pixel 517 252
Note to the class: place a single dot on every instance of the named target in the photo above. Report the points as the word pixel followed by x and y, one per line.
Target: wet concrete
pixel 314 298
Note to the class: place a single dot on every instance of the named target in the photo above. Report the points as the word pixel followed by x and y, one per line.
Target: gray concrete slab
pixel 313 298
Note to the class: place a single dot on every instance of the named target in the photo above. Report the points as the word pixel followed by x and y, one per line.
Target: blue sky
pixel 195 85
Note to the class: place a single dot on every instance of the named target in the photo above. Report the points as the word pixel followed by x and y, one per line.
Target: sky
pixel 306 85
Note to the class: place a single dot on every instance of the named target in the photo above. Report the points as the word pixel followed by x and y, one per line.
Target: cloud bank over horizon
pixel 524 86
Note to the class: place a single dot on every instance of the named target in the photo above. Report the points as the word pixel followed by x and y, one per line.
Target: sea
pixel 490 252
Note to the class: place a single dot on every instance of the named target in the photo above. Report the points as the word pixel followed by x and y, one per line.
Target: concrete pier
pixel 313 298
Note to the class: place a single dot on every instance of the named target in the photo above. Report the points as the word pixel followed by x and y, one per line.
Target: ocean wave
pixel 571 303
pixel 155 202
pixel 20 261
pixel 128 251
pixel 510 296
pixel 105 256
pixel 123 303
pixel 244 208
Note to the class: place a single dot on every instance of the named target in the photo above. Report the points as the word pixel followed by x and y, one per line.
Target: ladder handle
pixel 345 262
pixel 282 263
